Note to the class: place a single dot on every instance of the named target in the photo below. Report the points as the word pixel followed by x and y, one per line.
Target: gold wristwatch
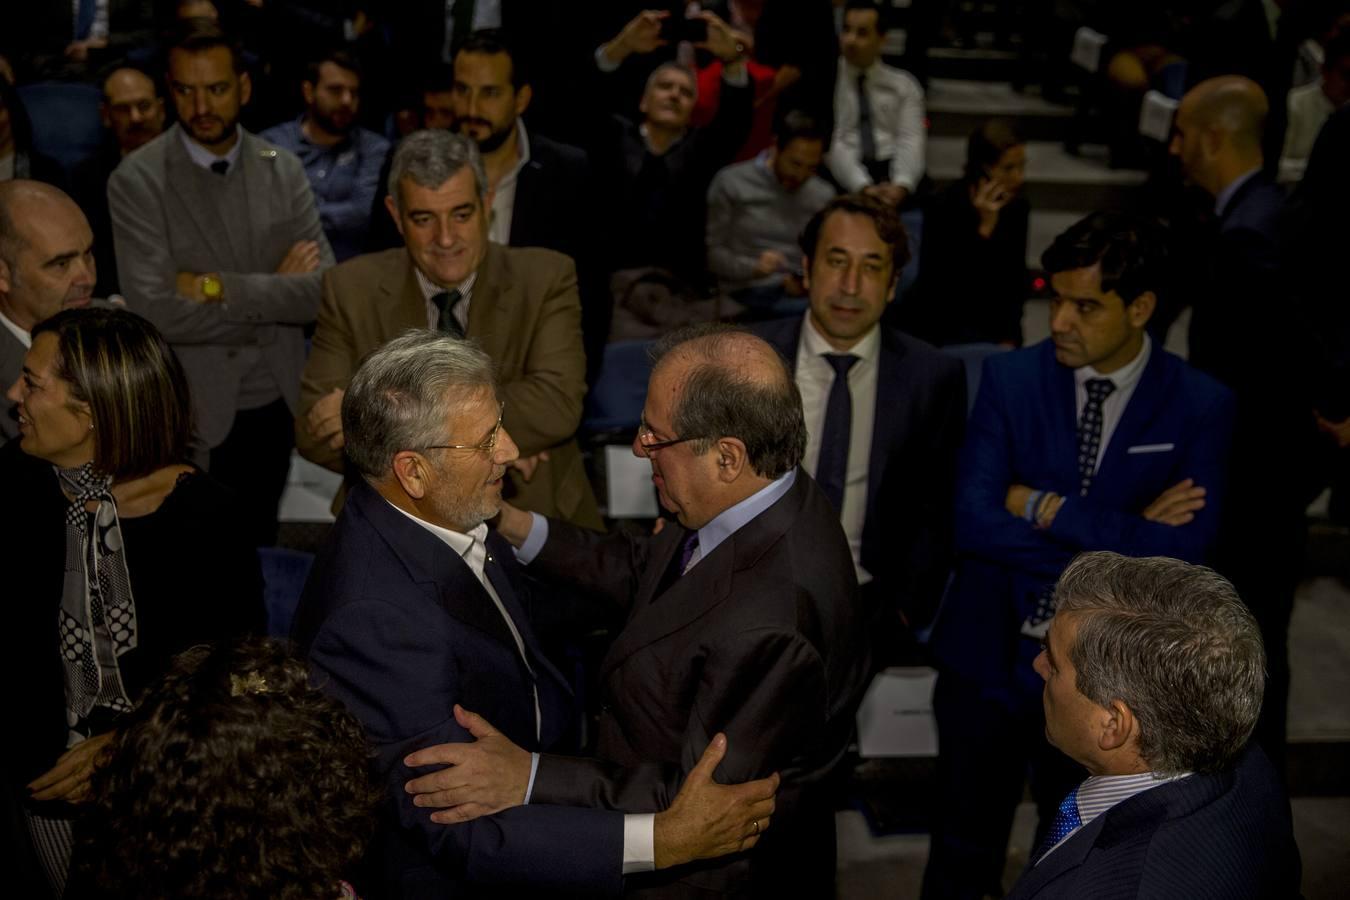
pixel 212 288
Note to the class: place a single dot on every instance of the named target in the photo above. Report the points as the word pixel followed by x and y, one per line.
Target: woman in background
pixel 972 267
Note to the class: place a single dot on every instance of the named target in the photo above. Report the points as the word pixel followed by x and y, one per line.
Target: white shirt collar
pixel 867 349
pixel 522 154
pixel 22 336
pixel 1127 376
pixel 203 157
pixel 461 543
pixel 431 288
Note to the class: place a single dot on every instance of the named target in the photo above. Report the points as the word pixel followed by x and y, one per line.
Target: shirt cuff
pixel 538 536
pixel 639 843
pixel 534 770
pixel 603 62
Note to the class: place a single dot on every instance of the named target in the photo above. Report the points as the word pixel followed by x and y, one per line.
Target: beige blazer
pixel 525 313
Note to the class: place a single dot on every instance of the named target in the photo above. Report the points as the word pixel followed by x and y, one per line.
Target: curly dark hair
pixel 234 778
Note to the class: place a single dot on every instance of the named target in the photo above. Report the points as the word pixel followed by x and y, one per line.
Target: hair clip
pixel 252 683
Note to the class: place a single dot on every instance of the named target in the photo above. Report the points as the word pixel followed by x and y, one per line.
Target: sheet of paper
pixel 896 715
pixel 628 482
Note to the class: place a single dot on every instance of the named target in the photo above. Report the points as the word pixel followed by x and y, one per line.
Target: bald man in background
pixel 46 265
pixel 1242 333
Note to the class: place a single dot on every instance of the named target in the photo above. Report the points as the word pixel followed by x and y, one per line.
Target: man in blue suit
pixel 885 413
pixel 1093 440
pixel 414 611
pixel 1153 674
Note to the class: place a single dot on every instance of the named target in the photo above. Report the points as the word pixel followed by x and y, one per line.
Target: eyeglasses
pixel 487 446
pixel 649 442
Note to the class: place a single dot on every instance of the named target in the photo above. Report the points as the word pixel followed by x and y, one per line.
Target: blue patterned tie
pixel 1090 430
pixel 1066 821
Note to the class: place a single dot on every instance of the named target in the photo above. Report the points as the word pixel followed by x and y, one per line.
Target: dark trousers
pixel 986 746
pixel 254 460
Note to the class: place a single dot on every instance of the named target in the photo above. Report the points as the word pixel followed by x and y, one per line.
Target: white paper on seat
pixel 628 482
pixel 1087 49
pixel 1155 116
pixel 896 714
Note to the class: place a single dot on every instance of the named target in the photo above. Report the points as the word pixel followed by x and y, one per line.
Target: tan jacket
pixel 525 313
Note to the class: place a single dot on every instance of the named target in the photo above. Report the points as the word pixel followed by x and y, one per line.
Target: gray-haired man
pixel 414 612
pixel 1153 673
pixel 521 305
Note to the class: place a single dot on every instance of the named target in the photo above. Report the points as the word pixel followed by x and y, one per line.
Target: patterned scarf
pixel 98 613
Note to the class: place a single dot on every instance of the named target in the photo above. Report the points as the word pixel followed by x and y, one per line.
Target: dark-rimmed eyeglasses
pixel 487 445
pixel 650 443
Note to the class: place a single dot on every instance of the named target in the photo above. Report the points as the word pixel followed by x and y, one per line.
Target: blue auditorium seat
pixel 284 573
pixel 65 117
pixel 615 402
pixel 973 357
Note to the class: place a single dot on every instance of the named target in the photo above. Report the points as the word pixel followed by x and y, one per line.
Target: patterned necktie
pixel 445 303
pixel 832 465
pixel 1066 821
pixel 867 140
pixel 1090 431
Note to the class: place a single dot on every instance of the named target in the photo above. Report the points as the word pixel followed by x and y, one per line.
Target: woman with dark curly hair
pixel 119 554
pixel 233 779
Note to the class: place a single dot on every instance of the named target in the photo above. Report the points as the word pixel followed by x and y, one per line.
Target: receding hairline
pixel 128 71
pixel 740 352
pixel 14 194
pixel 1215 100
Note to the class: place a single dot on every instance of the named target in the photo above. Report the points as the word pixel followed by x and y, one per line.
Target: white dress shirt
pixel 504 195
pixel 1126 379
pixel 431 289
pixel 205 158
pixel 1099 793
pixel 23 337
pixel 814 378
pixel 896 101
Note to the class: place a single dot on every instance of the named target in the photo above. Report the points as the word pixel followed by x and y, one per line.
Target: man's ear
pixel 1117 727
pixel 1141 309
pixel 307 91
pixel 390 205
pixel 523 98
pixel 411 471
pixel 245 89
pixel 732 459
pixel 806 271
pixel 5 286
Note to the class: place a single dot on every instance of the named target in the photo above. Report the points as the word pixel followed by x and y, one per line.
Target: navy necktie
pixel 445 303
pixel 1090 430
pixel 832 465
pixel 1066 820
pixel 867 140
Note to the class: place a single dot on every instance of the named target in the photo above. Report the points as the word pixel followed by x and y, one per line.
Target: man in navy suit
pixel 1243 333
pixel 413 608
pixel 1093 440
pixel 882 437
pixel 1153 674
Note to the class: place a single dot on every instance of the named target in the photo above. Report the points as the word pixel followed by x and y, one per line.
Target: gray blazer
pixel 161 228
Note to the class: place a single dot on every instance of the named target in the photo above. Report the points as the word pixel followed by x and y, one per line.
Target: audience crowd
pixel 406 241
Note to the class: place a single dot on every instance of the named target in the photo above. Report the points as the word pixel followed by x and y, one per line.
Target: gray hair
pixel 737 386
pixel 403 393
pixel 1174 643
pixel 668 66
pixel 431 157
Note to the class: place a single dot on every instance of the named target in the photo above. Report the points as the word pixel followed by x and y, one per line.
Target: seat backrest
pixel 65 117
pixel 615 402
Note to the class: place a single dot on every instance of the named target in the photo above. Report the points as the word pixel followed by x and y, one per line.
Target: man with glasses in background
pixel 519 304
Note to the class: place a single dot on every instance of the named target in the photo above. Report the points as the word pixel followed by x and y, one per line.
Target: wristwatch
pixel 212 288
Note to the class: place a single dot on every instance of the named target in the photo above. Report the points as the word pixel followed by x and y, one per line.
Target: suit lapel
pixel 489 310
pixel 1062 450
pixel 179 172
pixel 886 422
pixel 402 305
pixel 256 175
pixel 1149 399
pixel 1069 855
pixel 506 592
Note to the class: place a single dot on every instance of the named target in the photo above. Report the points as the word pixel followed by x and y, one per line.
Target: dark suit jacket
pixel 12 353
pixel 1210 837
pixel 764 639
pixel 399 629
pixel 1023 430
pixel 524 313
pixel 907 543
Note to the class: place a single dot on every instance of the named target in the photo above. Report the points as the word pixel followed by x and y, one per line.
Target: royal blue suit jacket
pixel 907 544
pixel 399 629
pixel 1024 430
pixel 1207 837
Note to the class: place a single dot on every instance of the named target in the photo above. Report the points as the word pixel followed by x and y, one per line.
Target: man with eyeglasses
pixel 519 304
pixel 743 618
pixel 414 612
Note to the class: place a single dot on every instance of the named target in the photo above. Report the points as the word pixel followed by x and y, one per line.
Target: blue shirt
pixel 344 177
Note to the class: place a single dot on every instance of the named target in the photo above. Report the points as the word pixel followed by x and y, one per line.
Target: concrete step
pixel 956 107
pixel 1056 180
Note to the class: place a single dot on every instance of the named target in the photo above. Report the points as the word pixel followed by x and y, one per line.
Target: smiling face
pixel 850 279
pixel 53 265
pixel 485 102
pixel 1095 328
pixel 208 94
pixel 52 425
pixel 465 485
pixel 669 98
pixel 444 228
